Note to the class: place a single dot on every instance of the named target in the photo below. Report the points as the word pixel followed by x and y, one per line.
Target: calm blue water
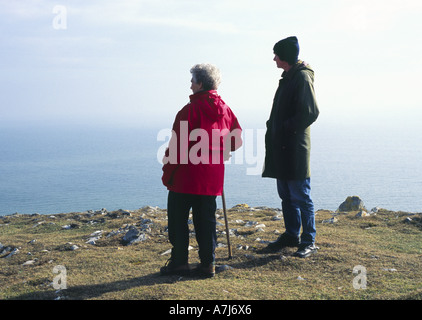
pixel 72 169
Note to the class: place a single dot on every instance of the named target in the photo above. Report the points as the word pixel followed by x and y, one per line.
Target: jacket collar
pixel 204 93
pixel 289 74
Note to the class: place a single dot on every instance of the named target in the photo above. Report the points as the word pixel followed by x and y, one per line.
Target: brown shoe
pixel 207 271
pixel 171 269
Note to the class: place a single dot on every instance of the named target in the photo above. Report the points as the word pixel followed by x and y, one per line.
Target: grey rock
pixel 125 212
pixel 12 253
pixel 250 223
pixel 362 213
pixel 133 235
pixel 375 209
pixel 353 203
pixel 331 220
pixel 95 236
pixel 390 269
pixel 222 268
pixel 149 209
pixel 70 226
pixel 29 262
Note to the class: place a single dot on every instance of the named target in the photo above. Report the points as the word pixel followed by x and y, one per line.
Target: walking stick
pixel 227 224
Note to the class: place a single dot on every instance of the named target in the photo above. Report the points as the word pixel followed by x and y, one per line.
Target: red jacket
pixel 204 133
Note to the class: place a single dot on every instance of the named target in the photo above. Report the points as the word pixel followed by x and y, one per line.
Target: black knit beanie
pixel 287 50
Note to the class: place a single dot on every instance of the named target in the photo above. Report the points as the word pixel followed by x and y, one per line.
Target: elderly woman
pixel 204 132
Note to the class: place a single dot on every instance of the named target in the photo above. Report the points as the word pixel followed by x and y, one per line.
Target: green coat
pixel 288 140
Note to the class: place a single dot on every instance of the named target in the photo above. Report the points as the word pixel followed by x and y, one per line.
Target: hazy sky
pixel 127 62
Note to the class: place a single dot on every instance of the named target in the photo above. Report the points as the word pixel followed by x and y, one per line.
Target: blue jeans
pixel 298 209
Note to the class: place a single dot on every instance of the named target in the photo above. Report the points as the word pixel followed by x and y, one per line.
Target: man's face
pixel 280 63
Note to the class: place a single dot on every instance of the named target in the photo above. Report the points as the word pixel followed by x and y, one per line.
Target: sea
pixel 74 168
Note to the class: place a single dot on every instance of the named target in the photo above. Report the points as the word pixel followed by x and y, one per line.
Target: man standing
pixel 288 145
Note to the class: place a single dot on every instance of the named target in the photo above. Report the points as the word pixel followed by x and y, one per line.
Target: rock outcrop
pixel 352 203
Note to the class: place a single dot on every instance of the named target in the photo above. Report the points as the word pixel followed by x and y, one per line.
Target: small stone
pixel 125 212
pixel 38 224
pixel 95 236
pixel 29 262
pixel 222 268
pixel 362 213
pixel 12 253
pixel 375 209
pixel 133 235
pixel 96 233
pixel 145 221
pixel 166 252
pixel 250 223
pixel 149 209
pixel 331 220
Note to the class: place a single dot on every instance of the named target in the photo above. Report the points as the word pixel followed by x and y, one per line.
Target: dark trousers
pixel 203 212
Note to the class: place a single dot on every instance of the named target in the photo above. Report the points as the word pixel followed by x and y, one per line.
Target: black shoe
pixel 171 268
pixel 305 251
pixel 285 240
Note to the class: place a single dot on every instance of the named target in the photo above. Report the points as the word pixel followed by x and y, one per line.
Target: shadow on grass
pixel 92 291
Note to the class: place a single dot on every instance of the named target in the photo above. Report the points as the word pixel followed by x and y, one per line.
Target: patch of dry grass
pixel 388 247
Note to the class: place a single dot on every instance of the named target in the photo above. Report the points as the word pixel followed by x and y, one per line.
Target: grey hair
pixel 207 74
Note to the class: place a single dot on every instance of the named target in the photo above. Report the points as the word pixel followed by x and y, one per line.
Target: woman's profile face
pixel 195 87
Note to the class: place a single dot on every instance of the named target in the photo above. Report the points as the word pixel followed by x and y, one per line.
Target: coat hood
pixel 211 104
pixel 299 66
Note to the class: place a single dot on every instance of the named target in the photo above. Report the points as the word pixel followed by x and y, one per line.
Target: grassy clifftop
pixel 117 255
